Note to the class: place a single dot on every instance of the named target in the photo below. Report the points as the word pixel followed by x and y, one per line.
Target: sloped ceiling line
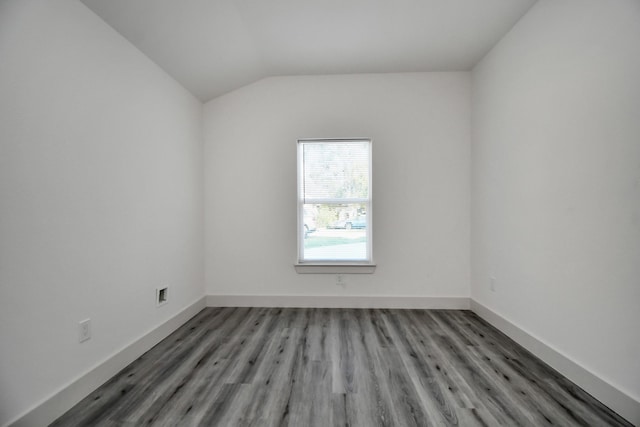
pixel 214 46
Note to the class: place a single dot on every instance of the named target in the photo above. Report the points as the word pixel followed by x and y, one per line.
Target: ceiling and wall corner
pixel 213 47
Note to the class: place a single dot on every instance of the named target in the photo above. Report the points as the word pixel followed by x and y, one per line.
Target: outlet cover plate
pixel 84 330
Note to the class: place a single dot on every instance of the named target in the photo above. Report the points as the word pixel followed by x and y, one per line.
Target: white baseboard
pixel 60 402
pixel 324 301
pixel 614 398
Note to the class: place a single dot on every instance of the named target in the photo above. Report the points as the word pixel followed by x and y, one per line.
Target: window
pixel 334 203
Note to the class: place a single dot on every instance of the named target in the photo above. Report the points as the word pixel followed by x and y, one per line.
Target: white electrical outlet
pixel 340 280
pixel 492 283
pixel 84 330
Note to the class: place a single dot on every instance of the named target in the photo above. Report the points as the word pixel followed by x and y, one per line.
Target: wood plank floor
pixel 338 367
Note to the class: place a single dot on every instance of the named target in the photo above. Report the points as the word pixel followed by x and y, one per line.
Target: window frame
pixel 333 265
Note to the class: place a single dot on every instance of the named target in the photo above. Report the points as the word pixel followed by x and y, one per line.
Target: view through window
pixel 334 200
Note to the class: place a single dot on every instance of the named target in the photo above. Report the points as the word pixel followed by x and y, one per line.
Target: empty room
pixel 319 213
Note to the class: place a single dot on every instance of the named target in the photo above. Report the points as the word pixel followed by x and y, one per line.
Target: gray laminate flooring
pixel 338 367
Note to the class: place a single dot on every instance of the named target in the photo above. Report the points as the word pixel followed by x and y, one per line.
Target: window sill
pixel 316 268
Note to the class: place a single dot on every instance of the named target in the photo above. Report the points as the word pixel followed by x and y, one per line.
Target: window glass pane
pixel 335 232
pixel 336 170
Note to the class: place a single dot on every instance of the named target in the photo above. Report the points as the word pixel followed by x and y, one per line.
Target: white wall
pixel 100 196
pixel 101 183
pixel 556 182
pixel 420 125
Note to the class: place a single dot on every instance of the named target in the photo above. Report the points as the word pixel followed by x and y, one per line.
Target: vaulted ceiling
pixel 214 46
